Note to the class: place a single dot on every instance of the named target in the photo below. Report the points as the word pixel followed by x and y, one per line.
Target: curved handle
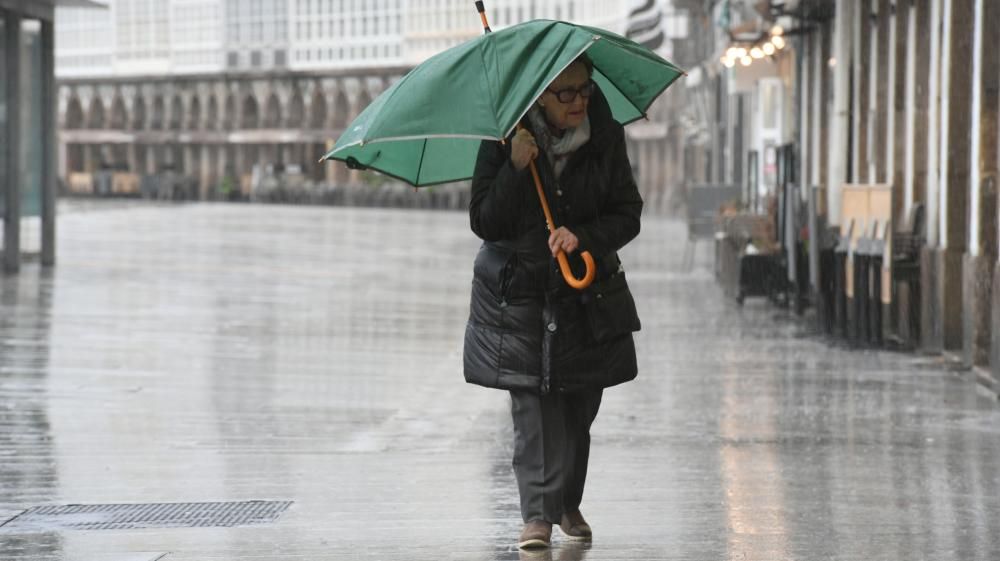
pixel 567 274
pixel 588 260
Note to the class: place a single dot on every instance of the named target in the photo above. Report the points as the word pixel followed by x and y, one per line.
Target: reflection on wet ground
pixel 205 353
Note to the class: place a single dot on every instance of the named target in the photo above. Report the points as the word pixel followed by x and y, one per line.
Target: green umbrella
pixel 426 128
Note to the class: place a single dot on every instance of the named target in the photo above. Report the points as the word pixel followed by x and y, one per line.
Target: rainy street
pixel 205 353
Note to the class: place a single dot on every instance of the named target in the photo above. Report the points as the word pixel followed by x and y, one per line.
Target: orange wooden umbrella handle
pixel 588 260
pixel 567 274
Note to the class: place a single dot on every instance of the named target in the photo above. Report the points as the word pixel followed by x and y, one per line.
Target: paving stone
pixel 215 352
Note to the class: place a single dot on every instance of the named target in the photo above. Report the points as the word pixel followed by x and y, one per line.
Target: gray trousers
pixel 551 449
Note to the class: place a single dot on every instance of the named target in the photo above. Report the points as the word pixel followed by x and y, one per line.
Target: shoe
pixel 536 534
pixel 534 554
pixel 575 527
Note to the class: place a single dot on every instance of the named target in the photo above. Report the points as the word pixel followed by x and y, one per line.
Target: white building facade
pixel 181 37
pixel 217 89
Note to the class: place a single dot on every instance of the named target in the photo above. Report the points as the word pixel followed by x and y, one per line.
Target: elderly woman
pixel 553 347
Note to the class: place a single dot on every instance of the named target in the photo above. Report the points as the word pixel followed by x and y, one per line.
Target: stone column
pixel 63 159
pixel 928 280
pixel 824 142
pixel 857 75
pixel 132 159
pixel 955 160
pixel 188 164
pixel 872 61
pixel 921 100
pixel 915 174
pixel 895 21
pixel 12 144
pixel 205 179
pixel 995 336
pixel 884 83
pixel 151 161
pixel 977 282
pixel 330 167
pixel 50 159
pixel 896 149
pixel 834 128
pixel 87 155
pixel 239 159
pixel 224 167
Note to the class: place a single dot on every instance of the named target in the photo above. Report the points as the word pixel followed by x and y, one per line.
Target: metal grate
pixel 150 515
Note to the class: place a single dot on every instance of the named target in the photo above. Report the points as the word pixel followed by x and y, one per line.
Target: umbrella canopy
pixel 426 128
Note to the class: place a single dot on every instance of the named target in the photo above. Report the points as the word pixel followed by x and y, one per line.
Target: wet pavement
pixel 204 353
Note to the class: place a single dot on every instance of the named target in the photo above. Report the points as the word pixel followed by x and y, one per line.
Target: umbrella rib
pixel 407 181
pixel 420 166
pixel 642 110
pixel 482 58
pixel 663 89
pixel 414 137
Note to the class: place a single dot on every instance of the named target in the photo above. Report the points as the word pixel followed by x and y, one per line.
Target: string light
pixel 745 55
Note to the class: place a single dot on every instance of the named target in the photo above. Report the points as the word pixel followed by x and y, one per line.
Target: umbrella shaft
pixel 541 197
pixel 481 8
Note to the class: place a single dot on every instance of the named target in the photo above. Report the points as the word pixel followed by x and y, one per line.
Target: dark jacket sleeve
pixel 618 219
pixel 495 207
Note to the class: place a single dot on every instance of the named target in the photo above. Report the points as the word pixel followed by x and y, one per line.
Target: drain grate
pixel 150 515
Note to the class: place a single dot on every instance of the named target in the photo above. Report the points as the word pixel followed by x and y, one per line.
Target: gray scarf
pixel 557 149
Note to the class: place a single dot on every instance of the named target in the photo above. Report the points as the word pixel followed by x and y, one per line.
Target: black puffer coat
pixel 527 329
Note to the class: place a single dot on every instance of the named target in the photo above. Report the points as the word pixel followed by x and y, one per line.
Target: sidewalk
pixel 210 353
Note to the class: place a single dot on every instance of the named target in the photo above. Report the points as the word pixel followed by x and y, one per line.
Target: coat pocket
pixel 494 268
pixel 610 308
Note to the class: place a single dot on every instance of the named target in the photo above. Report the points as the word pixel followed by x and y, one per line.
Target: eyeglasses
pixel 568 95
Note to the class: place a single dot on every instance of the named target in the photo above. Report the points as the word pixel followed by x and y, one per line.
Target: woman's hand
pixel 563 239
pixel 522 149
